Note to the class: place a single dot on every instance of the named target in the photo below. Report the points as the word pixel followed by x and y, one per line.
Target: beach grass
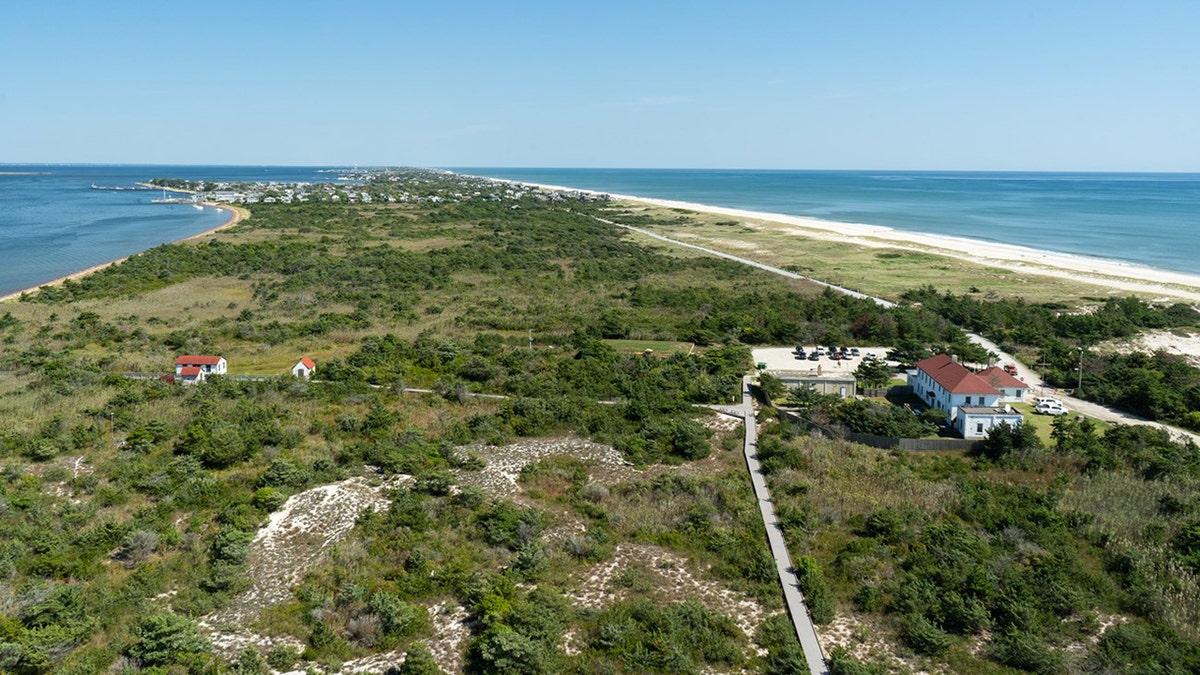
pixel 869 265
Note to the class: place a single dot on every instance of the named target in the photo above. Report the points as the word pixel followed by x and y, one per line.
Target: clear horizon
pixel 1103 86
pixel 361 165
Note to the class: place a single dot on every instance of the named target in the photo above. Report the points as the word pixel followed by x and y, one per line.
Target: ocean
pixel 52 224
pixel 1146 219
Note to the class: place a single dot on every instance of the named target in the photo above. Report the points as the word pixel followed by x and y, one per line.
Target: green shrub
pixel 817 594
pixel 924 637
pixel 163 639
pixel 1026 652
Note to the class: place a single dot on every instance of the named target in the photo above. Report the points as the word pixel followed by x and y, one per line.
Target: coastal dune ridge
pixel 1113 274
pixel 235 215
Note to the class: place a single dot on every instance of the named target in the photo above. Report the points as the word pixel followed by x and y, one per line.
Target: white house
pixel 1011 389
pixel 304 368
pixel 971 401
pixel 944 383
pixel 189 375
pixel 976 421
pixel 209 365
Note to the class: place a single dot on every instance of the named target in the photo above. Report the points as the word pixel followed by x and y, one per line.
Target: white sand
pixel 1110 274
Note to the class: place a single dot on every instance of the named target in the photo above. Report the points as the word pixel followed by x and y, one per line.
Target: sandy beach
pixel 235 215
pixel 1109 274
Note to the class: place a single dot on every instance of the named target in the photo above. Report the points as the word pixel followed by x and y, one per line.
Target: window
pixel 979 428
pixel 968 400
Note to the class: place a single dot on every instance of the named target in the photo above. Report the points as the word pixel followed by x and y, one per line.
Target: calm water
pixel 1148 219
pixel 53 224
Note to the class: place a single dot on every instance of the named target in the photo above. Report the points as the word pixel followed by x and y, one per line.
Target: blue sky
pixel 863 84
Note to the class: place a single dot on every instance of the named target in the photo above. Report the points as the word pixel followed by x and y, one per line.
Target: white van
pixel 1045 400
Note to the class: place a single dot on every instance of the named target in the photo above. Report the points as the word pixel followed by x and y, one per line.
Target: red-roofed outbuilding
pixel 304 368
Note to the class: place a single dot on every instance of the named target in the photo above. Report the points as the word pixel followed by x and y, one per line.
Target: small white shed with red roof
pixel 304 368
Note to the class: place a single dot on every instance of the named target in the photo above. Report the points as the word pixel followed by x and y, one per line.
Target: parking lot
pixel 787 358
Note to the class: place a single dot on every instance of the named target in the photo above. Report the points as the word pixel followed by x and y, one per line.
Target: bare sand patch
pixel 294 539
pixel 1186 345
pixel 504 463
pixel 595 588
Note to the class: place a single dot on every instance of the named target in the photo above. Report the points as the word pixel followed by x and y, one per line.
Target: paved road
pixel 1093 410
pixel 805 631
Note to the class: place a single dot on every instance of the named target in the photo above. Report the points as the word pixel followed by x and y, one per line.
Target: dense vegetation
pixel 1020 554
pixel 129 507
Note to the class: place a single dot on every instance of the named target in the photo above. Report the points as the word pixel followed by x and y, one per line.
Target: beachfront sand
pixel 235 215
pixel 1166 285
pixel 1106 273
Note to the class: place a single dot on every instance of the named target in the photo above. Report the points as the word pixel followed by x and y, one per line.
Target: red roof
pixel 954 377
pixel 197 360
pixel 189 371
pixel 996 377
pixel 307 362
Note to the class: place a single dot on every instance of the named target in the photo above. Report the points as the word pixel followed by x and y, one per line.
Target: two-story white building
pixel 209 365
pixel 971 402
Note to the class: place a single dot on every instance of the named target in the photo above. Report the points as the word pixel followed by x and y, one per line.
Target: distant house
pixel 189 375
pixel 1011 389
pixel 209 365
pixel 304 368
pixel 970 400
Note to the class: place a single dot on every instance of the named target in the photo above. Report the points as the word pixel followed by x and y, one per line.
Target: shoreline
pixel 1102 272
pixel 235 215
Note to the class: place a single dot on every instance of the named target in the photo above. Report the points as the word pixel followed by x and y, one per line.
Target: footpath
pixel 794 599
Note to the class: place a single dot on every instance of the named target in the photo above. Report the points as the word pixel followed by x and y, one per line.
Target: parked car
pixel 1010 369
pixel 815 356
pixel 1050 409
pixel 1046 400
pixel 854 351
pixel 836 356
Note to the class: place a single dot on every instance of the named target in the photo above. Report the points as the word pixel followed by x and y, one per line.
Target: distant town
pixel 389 185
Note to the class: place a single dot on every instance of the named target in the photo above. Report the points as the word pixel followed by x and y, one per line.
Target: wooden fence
pixel 884 442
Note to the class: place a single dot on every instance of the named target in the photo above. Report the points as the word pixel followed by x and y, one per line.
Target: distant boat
pixel 198 207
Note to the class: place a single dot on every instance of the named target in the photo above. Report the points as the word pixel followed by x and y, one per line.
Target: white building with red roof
pixel 208 365
pixel 970 400
pixel 304 368
pixel 1011 389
